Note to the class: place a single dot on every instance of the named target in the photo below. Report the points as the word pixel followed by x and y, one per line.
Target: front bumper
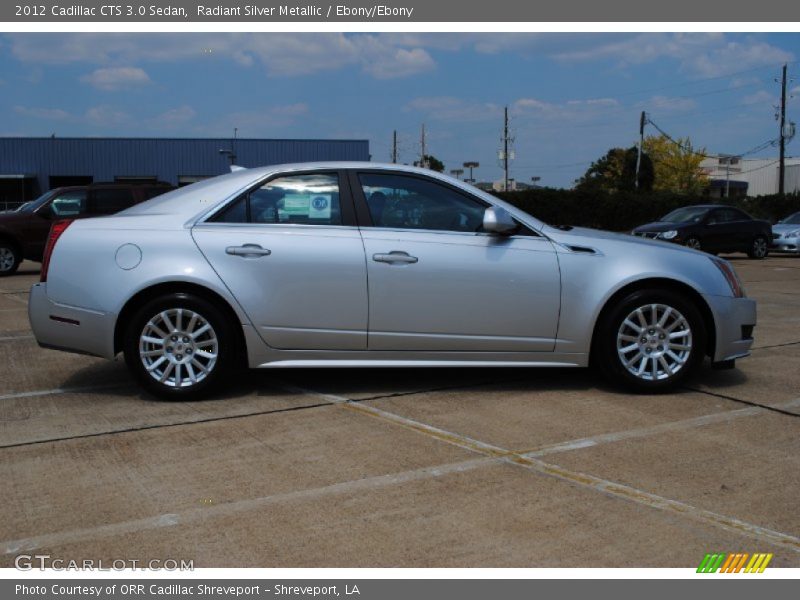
pixel 789 245
pixel 734 320
pixel 70 328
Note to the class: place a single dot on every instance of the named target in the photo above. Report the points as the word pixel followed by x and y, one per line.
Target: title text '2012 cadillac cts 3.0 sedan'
pixel 362 264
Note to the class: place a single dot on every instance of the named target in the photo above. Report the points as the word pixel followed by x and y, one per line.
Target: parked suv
pixel 712 228
pixel 23 232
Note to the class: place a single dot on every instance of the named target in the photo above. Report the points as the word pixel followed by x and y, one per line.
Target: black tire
pixel 10 258
pixel 221 330
pixel 693 242
pixel 759 248
pixel 607 356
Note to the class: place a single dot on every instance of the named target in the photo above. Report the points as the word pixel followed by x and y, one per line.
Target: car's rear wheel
pixel 9 259
pixel 759 247
pixel 651 340
pixel 693 242
pixel 179 346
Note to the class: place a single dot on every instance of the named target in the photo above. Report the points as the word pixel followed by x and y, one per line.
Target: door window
pixel 407 202
pixel 308 199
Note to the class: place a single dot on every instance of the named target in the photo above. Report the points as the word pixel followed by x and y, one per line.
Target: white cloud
pixel 448 108
pixel 665 104
pixel 116 78
pixel 280 54
pixel 106 116
pixel 703 54
pixel 54 114
pixel 174 117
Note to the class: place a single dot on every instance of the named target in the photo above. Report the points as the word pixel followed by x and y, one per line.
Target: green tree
pixel 677 165
pixel 616 172
pixel 433 163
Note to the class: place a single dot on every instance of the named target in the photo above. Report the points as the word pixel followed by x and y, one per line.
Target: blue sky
pixel 570 96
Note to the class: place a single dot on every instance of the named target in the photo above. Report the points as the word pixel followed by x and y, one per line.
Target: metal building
pixel 32 166
pixel 737 176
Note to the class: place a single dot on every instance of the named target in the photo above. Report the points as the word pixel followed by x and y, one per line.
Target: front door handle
pixel 395 256
pixel 246 250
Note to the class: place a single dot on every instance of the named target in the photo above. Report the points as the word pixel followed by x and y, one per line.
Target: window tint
pixel 107 201
pixel 69 204
pixel 403 202
pixel 295 199
pixel 727 215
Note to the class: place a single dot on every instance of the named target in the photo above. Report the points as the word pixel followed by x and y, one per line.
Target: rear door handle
pixel 252 250
pixel 395 256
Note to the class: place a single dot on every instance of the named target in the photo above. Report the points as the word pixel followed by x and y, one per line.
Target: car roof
pixel 194 201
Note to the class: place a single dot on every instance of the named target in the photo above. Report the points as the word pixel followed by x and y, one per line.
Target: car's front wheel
pixel 650 341
pixel 759 248
pixel 179 346
pixel 693 242
pixel 9 259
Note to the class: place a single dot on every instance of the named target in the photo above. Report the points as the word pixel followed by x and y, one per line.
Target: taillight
pixel 56 229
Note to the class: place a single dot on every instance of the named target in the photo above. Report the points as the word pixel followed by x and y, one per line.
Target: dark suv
pixel 713 228
pixel 23 232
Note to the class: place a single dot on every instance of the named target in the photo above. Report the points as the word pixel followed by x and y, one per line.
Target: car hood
pixel 782 227
pixel 659 226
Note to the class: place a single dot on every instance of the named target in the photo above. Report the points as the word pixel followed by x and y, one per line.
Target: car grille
pixel 648 234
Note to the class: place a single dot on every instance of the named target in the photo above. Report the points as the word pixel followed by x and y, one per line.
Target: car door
pixel 290 252
pixel 717 236
pixel 437 283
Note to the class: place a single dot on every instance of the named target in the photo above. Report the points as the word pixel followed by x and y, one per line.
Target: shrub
pixel 623 211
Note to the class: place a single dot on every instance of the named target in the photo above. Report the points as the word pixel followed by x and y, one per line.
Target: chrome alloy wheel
pixel 693 243
pixel 654 342
pixel 178 347
pixel 7 259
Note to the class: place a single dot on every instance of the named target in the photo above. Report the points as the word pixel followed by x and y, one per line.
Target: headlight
pixel 795 233
pixel 668 235
pixel 737 289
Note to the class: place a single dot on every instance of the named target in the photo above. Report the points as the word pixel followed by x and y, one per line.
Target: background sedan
pixel 712 228
pixel 786 234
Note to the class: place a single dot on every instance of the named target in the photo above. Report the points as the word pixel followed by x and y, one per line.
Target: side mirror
pixel 498 220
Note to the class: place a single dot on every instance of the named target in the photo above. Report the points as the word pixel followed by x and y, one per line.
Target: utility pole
pixel 423 159
pixel 394 146
pixel 642 123
pixel 782 164
pixel 505 150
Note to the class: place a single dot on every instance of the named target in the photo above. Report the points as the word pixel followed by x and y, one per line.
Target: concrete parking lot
pixel 422 468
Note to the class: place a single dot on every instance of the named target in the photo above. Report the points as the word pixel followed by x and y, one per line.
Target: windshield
pixel 687 214
pixel 791 219
pixel 31 206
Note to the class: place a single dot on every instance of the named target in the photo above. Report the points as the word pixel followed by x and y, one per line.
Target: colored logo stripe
pixel 734 562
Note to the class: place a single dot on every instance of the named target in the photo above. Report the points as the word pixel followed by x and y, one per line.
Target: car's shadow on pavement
pixel 112 379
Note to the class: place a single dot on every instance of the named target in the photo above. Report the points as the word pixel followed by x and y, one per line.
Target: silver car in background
pixel 364 264
pixel 786 235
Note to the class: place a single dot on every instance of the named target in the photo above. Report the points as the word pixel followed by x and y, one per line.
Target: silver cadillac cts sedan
pixel 370 265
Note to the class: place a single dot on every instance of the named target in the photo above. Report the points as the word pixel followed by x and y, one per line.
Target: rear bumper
pixel 734 320
pixel 70 328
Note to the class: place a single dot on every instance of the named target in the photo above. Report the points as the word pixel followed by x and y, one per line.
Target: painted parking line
pixel 13 338
pixel 62 390
pixel 585 480
pixel 195 515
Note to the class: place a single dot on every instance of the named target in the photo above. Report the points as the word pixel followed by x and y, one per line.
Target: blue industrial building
pixel 32 166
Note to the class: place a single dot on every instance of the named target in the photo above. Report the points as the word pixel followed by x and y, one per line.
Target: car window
pixel 727 215
pixel 107 201
pixel 407 202
pixel 69 204
pixel 687 214
pixel 308 199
